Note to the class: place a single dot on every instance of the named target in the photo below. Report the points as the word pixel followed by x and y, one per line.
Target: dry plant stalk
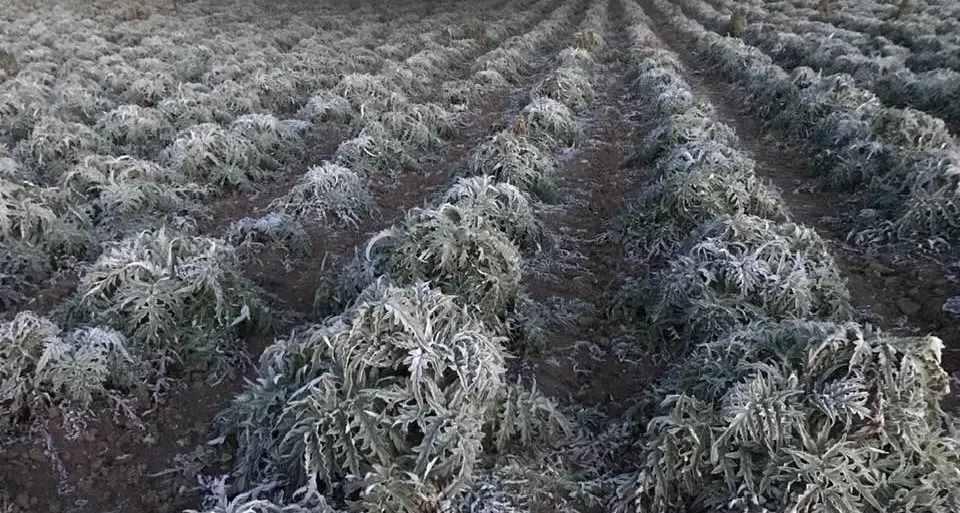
pixel 8 64
pixel 825 8
pixel 738 20
pixel 520 128
pixel 904 9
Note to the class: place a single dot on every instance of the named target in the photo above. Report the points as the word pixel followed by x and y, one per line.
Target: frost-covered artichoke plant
pixel 576 58
pixel 249 234
pixel 419 127
pixel 329 107
pixel 188 107
pixel 54 145
pixel 509 63
pixel 659 75
pixel 39 363
pixel 489 79
pixel 279 142
pixel 803 417
pixel 568 85
pixel 21 106
pixel 79 99
pixel 136 130
pixel 516 160
pixel 458 249
pixel 551 123
pixel 736 270
pixel 178 299
pixel 207 153
pixel 375 150
pixel 692 125
pixel 393 135
pixel 327 190
pixel 390 405
pixel 503 204
pixel 37 234
pixel 279 90
pixel 11 168
pixel 128 190
pixel 364 88
pixel 148 90
pixel 699 182
pixel 258 500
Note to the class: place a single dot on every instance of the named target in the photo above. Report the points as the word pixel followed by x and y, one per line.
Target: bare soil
pixel 580 363
pixel 891 293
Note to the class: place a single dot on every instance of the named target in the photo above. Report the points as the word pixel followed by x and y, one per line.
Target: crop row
pixel 930 32
pixel 926 30
pixel 900 162
pixel 124 280
pixel 86 70
pixel 780 402
pixel 393 133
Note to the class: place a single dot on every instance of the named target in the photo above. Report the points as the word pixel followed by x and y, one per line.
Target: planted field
pixel 554 255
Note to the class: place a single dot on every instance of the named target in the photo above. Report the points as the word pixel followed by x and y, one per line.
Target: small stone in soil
pixel 908 306
pixel 36 454
pixel 23 500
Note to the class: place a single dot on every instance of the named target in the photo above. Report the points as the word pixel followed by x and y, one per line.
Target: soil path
pixel 896 295
pixel 580 364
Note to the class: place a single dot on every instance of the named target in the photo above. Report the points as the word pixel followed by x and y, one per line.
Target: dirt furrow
pixel 580 364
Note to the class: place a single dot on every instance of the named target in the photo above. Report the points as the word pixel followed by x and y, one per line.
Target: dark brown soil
pixel 115 465
pixel 896 295
pixel 580 363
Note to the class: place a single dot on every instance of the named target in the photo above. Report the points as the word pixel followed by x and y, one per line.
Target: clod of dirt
pixel 36 454
pixel 908 306
pixel 23 500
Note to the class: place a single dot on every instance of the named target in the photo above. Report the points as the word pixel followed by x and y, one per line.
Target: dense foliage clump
pixel 41 364
pixel 392 403
pixel 736 270
pixel 178 299
pixel 458 249
pixel 800 416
